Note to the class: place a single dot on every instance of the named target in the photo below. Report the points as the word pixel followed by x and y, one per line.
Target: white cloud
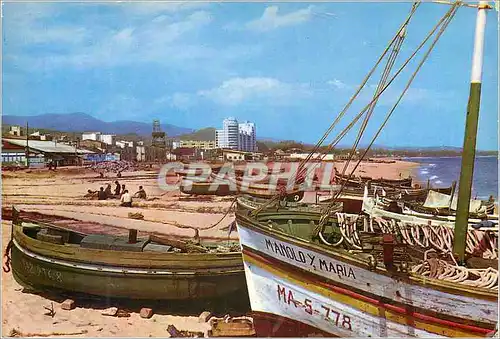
pixel 271 19
pixel 274 92
pixel 337 84
pixel 153 41
pixel 32 24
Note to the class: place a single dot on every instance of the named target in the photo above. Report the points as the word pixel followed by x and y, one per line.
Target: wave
pixel 438 182
pixel 433 177
pixel 424 172
pixel 432 165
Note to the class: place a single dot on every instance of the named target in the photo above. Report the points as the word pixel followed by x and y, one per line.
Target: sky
pixel 288 67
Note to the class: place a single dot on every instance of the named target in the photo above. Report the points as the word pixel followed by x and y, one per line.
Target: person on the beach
pixel 108 191
pixel 141 193
pixel 119 174
pixel 123 189
pixel 91 194
pixel 102 194
pixel 126 199
pixel 117 188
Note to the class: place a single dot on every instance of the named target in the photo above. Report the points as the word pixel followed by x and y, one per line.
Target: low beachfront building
pixel 233 155
pixel 40 153
pixel 201 144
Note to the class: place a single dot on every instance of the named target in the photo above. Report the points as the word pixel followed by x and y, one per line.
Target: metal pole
pixel 27 147
pixel 469 148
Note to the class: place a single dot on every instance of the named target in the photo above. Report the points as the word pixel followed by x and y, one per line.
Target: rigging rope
pixel 383 80
pixel 301 169
pixel 444 22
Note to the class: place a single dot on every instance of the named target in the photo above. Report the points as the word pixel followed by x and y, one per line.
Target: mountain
pixel 204 134
pixel 82 122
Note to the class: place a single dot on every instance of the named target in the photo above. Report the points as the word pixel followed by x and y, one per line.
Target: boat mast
pixel 469 146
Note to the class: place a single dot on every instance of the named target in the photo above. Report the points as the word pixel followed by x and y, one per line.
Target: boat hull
pixel 331 293
pixel 37 272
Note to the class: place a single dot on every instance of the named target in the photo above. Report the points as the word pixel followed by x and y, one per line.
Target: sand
pixel 61 193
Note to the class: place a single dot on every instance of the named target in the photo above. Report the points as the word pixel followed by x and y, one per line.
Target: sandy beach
pixel 61 193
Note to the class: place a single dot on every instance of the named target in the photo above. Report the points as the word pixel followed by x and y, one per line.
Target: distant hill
pixel 82 122
pixel 204 134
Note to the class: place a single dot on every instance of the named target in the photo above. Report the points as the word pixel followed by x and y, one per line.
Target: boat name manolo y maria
pixel 309 258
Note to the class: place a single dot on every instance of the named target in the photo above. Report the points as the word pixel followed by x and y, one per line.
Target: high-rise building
pixel 236 136
pixel 247 137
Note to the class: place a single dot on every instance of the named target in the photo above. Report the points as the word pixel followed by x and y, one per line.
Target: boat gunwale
pixel 116 269
pixel 149 259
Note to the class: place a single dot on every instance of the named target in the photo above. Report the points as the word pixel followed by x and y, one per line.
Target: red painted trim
pixel 397 309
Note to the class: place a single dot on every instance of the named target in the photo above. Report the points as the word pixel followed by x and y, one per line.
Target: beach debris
pixel 175 333
pixel 122 314
pixel 68 304
pixel 50 310
pixel 231 327
pixel 99 329
pixel 112 311
pixel 17 333
pixel 182 245
pixel 137 215
pixel 146 313
pixel 204 316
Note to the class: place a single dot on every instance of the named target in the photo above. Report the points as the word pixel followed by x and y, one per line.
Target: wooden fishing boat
pixel 207 188
pixel 352 197
pixel 445 209
pixel 376 208
pixel 335 274
pixel 217 185
pixel 312 288
pixel 46 257
pixel 362 180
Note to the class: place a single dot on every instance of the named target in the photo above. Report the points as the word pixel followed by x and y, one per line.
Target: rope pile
pixel 479 243
pixel 440 238
pixel 436 268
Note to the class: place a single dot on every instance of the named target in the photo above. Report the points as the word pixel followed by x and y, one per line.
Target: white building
pixel 247 137
pixel 91 136
pixel 97 136
pixel 108 139
pixel 123 144
pixel 140 151
pixel 228 136
pixel 236 136
pixel 15 130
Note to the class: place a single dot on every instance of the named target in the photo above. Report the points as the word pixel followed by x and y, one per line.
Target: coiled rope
pixel 442 270
pixel 438 238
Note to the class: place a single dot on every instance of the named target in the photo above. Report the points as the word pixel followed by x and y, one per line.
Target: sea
pixel 443 171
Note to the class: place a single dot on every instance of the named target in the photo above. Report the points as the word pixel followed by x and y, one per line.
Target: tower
pixel 158 137
pixel 158 144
